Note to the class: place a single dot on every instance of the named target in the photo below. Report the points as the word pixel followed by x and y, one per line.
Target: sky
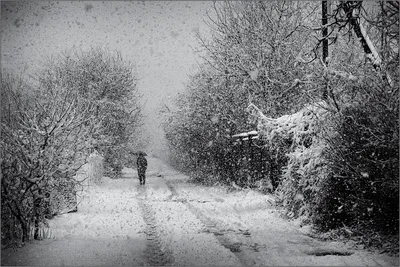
pixel 156 36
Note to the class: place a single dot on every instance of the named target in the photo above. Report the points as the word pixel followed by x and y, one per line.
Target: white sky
pixel 157 36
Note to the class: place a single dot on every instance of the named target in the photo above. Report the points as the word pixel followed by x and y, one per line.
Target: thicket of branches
pixel 362 190
pixel 338 165
pixel 199 127
pixel 250 58
pixel 110 84
pixel 81 102
pixel 46 137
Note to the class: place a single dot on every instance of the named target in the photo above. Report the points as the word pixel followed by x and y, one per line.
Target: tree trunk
pixel 325 44
pixel 36 232
pixel 25 230
pixel 325 49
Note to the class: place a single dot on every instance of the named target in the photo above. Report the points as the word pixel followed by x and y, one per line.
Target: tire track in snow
pixel 156 253
pixel 211 227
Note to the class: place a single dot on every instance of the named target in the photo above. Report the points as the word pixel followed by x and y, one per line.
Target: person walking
pixel 141 164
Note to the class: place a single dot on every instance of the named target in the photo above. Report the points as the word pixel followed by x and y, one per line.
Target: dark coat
pixel 141 162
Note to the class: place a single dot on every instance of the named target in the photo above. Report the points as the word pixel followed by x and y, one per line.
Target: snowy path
pixel 172 222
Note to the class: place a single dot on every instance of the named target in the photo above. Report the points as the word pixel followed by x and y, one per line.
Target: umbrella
pixel 141 153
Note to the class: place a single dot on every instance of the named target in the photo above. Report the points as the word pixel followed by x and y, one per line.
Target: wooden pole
pixel 325 44
pixel 325 49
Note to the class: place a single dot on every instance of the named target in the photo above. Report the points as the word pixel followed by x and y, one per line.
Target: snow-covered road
pixel 172 222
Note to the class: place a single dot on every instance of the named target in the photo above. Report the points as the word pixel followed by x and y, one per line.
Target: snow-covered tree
pixel 81 102
pixel 205 118
pixel 110 83
pixel 249 58
pixel 258 45
pixel 46 136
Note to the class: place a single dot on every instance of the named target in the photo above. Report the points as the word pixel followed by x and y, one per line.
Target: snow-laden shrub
pixel 103 78
pixel 363 190
pixel 67 192
pixel 46 138
pixel 299 137
pixel 342 166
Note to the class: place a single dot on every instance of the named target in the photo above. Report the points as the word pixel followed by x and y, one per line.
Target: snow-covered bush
pixel 363 189
pixel 109 82
pixel 66 195
pixel 299 138
pixel 342 165
pixel 46 135
pixel 198 130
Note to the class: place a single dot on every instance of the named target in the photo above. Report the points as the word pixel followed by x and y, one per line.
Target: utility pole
pixel 325 49
pixel 325 44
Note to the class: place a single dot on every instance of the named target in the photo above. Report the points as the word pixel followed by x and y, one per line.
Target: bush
pixel 112 163
pixel 109 83
pixel 342 167
pixel 364 158
pixel 46 136
pixel 297 141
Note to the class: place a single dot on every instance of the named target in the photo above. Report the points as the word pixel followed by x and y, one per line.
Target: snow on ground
pixel 249 221
pixel 106 230
pixel 170 221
